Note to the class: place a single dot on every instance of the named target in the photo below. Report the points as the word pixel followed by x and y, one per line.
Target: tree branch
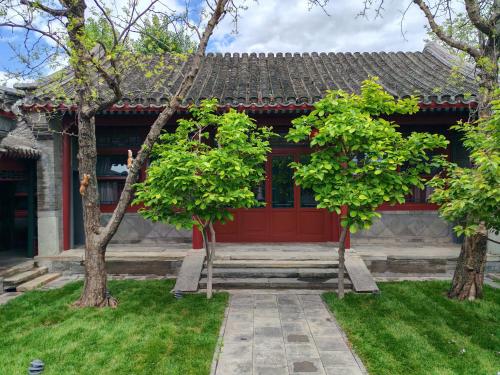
pixel 155 130
pixel 34 29
pixel 110 22
pixel 132 22
pixel 448 39
pixel 475 16
pixel 38 5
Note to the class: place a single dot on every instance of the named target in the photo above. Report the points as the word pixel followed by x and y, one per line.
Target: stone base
pixel 126 261
pixel 395 227
pixel 134 229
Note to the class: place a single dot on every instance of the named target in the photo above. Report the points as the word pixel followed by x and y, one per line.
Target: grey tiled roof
pixel 17 141
pixel 264 80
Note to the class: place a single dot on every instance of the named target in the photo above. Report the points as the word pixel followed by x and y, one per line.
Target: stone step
pixel 273 283
pixel 273 272
pixel 273 255
pixel 275 263
pixel 25 276
pixel 37 282
pixel 18 268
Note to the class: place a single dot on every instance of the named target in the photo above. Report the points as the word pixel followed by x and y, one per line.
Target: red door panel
pixel 283 225
pixel 278 224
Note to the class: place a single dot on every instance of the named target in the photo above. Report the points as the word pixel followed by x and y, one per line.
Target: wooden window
pixel 111 174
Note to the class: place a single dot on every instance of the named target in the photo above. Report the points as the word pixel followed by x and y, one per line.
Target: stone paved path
pixel 276 334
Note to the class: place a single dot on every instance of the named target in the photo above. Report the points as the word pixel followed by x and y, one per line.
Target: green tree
pixel 156 37
pixel 208 166
pixel 470 197
pixel 359 159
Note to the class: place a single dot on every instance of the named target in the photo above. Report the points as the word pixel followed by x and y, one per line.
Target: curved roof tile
pixel 260 79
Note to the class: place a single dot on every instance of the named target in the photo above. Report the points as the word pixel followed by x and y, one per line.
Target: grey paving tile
pixel 343 370
pixel 324 330
pixel 298 338
pixel 262 344
pixel 303 350
pixel 330 343
pixel 237 351
pixel 295 327
pixel 311 366
pixel 265 305
pixel 267 321
pixel 265 298
pixel 236 337
pixel 263 370
pixel 287 300
pixel 268 332
pixel 269 358
pixel 225 367
pixel 292 317
pixel 269 313
pixel 337 358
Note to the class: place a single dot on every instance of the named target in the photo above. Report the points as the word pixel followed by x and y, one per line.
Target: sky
pixel 291 26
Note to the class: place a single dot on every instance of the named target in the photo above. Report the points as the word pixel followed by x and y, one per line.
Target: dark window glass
pixel 307 198
pixel 111 172
pixel 110 190
pixel 419 195
pixel 260 192
pixel 306 195
pixel 282 185
pixel 112 166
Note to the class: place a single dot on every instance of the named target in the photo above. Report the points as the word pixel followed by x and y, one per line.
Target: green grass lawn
pixel 412 328
pixel 149 333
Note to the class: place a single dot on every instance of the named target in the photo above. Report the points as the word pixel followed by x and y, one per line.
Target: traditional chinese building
pixel 273 89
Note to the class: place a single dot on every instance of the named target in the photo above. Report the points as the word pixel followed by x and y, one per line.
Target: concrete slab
pixel 37 282
pixel 22 277
pixel 190 272
pixel 361 278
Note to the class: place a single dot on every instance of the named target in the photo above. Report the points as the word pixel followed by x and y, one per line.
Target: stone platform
pixel 122 259
pixel 382 259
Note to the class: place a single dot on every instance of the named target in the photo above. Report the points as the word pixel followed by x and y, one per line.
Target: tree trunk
pixel 211 260
pixel 343 236
pixel 94 291
pixel 209 250
pixel 94 288
pixel 469 273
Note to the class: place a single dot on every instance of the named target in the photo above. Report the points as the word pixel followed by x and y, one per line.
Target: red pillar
pixel 197 238
pixel 66 191
pixel 343 213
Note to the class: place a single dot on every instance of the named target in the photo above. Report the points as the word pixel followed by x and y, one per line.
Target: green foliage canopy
pixel 209 165
pixel 470 196
pixel 359 159
pixel 156 38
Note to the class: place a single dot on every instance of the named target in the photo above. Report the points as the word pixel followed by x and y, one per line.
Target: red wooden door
pixel 290 213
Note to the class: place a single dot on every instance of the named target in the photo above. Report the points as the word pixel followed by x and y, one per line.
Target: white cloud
pixel 289 26
pixel 8 80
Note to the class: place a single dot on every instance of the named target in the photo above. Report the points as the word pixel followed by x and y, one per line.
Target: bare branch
pixel 29 27
pixel 133 21
pixel 475 16
pixel 52 11
pixel 448 39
